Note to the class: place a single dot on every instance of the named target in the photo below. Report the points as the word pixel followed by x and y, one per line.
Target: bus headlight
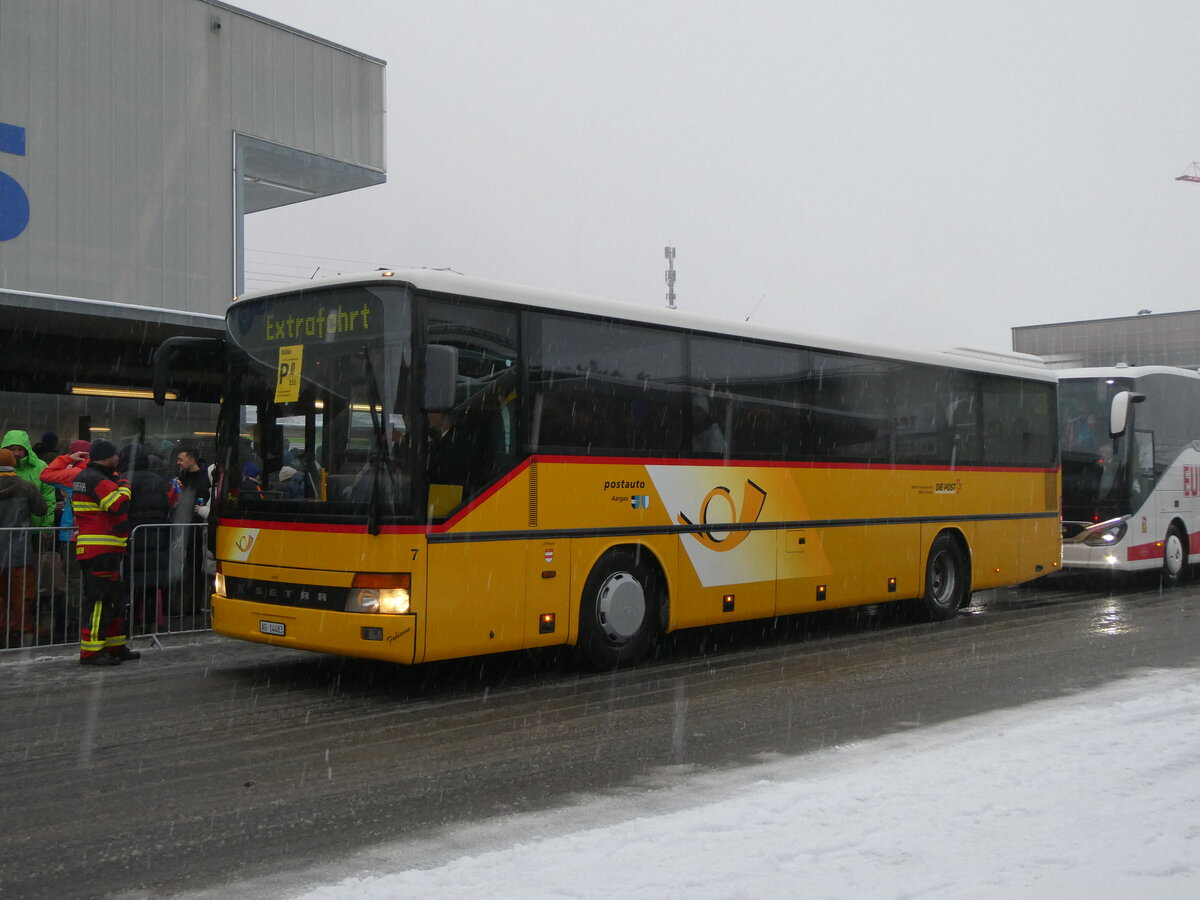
pixel 386 594
pixel 219 585
pixel 1106 534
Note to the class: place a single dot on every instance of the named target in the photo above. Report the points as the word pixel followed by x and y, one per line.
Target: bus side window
pixel 1143 470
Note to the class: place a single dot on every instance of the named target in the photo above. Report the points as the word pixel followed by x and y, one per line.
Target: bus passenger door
pixel 475 602
pixel 548 593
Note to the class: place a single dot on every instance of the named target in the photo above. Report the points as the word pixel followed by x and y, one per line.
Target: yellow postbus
pixel 416 466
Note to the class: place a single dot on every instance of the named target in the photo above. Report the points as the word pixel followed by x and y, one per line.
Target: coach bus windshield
pixel 320 403
pixel 1095 479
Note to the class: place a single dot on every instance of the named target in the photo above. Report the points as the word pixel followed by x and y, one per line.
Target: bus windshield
pixel 320 403
pixel 1095 477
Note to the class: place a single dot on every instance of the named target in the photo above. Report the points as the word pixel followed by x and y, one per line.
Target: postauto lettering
pixel 624 485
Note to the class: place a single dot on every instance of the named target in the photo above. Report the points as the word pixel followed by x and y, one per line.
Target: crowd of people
pixel 80 509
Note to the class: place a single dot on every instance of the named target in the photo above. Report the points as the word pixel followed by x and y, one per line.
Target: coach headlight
pixel 386 594
pixel 1106 533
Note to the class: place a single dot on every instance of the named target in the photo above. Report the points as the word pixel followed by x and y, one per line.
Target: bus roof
pixel 1126 372
pixel 448 282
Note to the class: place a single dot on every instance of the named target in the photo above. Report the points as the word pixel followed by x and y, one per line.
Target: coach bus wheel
pixel 947 583
pixel 618 615
pixel 1175 565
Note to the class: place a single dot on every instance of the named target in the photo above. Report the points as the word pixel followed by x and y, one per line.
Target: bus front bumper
pixel 1112 559
pixel 368 635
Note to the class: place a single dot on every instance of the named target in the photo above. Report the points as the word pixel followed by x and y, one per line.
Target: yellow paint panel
pixel 548 592
pixel 315 629
pixel 477 596
pixel 475 601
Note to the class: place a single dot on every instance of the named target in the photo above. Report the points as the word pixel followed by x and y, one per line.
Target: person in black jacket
pixel 148 559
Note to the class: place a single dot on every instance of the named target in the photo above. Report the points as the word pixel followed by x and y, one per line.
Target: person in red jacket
pixel 99 498
pixel 61 472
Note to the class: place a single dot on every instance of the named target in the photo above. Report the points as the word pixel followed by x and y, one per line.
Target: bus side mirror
pixel 441 370
pixel 1118 417
pixel 201 355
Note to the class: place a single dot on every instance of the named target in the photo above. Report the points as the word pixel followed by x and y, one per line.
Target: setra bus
pixel 1130 469
pixel 472 467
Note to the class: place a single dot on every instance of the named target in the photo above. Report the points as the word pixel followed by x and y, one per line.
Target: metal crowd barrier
pixel 166 582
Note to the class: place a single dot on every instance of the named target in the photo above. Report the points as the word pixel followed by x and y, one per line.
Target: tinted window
pixel 1019 422
pixel 743 399
pixel 937 416
pixel 469 445
pixel 849 401
pixel 605 387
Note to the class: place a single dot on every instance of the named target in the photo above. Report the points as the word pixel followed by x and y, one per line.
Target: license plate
pixel 276 628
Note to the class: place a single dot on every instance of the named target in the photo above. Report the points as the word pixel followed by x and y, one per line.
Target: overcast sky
pixel 921 172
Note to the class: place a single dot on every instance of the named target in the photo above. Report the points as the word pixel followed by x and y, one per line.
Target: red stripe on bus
pixel 607 461
pixel 782 464
pixel 1137 552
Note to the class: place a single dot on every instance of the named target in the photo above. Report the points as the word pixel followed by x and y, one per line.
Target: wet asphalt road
pixel 213 760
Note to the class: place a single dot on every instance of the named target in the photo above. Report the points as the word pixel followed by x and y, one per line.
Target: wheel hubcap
pixel 621 606
pixel 942 579
pixel 1174 554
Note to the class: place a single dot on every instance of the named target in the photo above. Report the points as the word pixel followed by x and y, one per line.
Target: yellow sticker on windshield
pixel 287 381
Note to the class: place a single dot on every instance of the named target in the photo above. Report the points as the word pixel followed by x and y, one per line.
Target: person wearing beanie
pixel 19 502
pixel 251 479
pixel 47 448
pixel 102 448
pixel 30 468
pixel 100 501
pixel 148 558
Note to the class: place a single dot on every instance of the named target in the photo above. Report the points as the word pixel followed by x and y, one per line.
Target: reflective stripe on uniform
pixel 101 540
pixel 90 640
pixel 109 500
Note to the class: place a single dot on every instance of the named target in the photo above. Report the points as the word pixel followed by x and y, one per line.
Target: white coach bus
pixel 1130 469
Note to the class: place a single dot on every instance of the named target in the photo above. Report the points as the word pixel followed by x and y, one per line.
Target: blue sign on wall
pixel 14 202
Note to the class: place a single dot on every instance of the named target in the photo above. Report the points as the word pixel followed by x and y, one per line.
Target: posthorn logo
pixel 14 202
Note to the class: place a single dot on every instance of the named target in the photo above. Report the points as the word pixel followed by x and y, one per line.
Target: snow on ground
pixel 1096 795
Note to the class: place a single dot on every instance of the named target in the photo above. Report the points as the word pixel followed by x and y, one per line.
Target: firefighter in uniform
pixel 99 499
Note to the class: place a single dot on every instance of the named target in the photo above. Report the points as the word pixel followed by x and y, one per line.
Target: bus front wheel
pixel 947 579
pixel 1175 557
pixel 618 614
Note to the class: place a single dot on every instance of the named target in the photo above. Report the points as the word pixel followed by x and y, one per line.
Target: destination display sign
pixel 322 317
pixel 337 322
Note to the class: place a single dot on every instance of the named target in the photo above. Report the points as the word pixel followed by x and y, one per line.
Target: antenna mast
pixel 669 253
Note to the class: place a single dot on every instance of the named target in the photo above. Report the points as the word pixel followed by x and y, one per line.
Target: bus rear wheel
pixel 947 579
pixel 618 613
pixel 1175 557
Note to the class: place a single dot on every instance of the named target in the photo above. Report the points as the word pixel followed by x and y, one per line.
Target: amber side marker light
pixel 727 603
pixel 820 592
pixel 891 585
pixel 546 623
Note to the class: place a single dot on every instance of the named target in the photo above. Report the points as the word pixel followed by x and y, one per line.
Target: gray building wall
pixel 151 126
pixel 1162 339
